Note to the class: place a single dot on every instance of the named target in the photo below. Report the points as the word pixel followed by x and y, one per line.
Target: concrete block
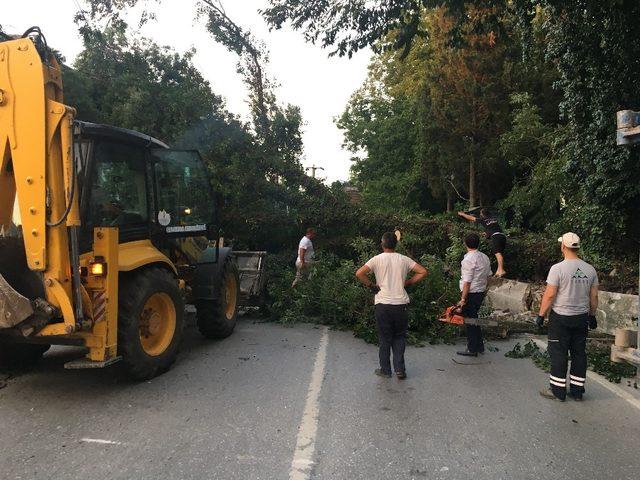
pixel 616 310
pixel 509 295
pixel 535 297
pixel 626 337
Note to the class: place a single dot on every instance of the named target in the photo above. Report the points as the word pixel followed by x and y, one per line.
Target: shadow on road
pixel 49 373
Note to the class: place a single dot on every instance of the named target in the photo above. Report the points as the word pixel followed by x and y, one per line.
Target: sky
pixel 308 78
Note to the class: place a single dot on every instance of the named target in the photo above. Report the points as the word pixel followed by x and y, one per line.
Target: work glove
pixel 374 289
pixel 593 322
pixel 539 321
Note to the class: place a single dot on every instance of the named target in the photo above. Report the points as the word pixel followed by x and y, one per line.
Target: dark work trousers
pixel 475 342
pixel 392 322
pixel 567 334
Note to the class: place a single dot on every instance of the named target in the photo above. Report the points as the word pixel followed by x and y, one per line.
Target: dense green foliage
pixel 332 297
pixel 458 108
pixel 130 82
pixel 511 104
pixel 351 25
pixel 498 103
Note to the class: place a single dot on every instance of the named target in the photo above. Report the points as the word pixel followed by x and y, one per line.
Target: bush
pixel 333 296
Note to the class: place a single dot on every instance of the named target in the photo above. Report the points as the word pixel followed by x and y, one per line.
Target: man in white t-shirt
pixel 305 257
pixel 391 300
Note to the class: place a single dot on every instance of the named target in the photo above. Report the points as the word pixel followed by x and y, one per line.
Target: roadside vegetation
pixel 509 104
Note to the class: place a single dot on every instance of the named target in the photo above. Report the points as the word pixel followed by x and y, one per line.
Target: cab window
pixel 183 192
pixel 119 186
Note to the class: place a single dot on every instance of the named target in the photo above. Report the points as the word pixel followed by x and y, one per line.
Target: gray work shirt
pixel 574 279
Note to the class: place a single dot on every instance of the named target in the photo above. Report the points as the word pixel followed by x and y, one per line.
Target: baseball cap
pixel 570 240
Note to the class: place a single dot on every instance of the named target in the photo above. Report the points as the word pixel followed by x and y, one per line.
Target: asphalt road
pixel 245 408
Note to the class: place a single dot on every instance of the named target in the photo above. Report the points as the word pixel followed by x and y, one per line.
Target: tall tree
pixel 381 132
pixel 253 56
pixel 352 25
pixel 139 85
pixel 469 91
pixel 454 103
pixel 594 44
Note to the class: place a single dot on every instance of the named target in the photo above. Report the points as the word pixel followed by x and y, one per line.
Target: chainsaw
pixel 453 315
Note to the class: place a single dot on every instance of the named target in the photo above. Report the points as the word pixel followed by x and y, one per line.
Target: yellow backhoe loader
pixel 105 233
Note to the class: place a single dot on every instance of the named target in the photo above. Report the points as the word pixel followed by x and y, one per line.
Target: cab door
pixel 184 203
pixel 114 187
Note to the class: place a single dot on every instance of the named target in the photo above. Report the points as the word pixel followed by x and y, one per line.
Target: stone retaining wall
pixel 520 299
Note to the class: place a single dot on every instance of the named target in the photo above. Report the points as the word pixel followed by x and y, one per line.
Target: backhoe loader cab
pixel 116 231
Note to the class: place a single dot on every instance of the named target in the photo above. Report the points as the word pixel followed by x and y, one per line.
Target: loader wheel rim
pixel 157 324
pixel 230 295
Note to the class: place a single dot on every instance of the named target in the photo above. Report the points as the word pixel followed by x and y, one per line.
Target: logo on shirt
pixel 579 274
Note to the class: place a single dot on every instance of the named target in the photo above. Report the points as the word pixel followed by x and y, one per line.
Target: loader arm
pixel 36 169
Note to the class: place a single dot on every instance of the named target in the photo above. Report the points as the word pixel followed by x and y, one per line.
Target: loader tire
pixel 217 318
pixel 150 322
pixel 20 355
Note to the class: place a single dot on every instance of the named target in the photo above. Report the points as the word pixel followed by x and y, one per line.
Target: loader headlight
pixel 98 267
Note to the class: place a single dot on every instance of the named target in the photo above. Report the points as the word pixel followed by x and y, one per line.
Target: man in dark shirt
pixel 494 233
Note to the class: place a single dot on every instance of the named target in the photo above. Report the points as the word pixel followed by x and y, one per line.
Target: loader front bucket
pixel 14 308
pixel 19 285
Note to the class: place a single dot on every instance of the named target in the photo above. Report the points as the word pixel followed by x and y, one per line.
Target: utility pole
pixel 313 169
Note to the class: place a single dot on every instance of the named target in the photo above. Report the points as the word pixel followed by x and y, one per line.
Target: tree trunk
pixel 449 201
pixel 472 178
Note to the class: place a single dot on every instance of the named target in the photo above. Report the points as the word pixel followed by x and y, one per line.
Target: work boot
pixel 401 375
pixel 577 396
pixel 467 353
pixel 548 393
pixel 380 373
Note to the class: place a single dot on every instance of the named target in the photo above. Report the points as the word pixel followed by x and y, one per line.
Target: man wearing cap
pixel 572 298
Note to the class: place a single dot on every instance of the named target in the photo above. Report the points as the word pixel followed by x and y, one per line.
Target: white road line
pixel 100 441
pixel 302 463
pixel 599 379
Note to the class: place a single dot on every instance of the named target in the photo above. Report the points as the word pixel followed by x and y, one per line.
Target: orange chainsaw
pixel 453 315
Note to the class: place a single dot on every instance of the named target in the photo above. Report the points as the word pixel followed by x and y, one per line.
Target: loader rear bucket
pixel 18 284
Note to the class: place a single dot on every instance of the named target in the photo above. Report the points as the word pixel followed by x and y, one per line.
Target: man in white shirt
pixel 475 271
pixel 305 257
pixel 391 300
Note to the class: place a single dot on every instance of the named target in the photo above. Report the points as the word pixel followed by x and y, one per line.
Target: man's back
pixel 574 279
pixel 491 225
pixel 391 270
